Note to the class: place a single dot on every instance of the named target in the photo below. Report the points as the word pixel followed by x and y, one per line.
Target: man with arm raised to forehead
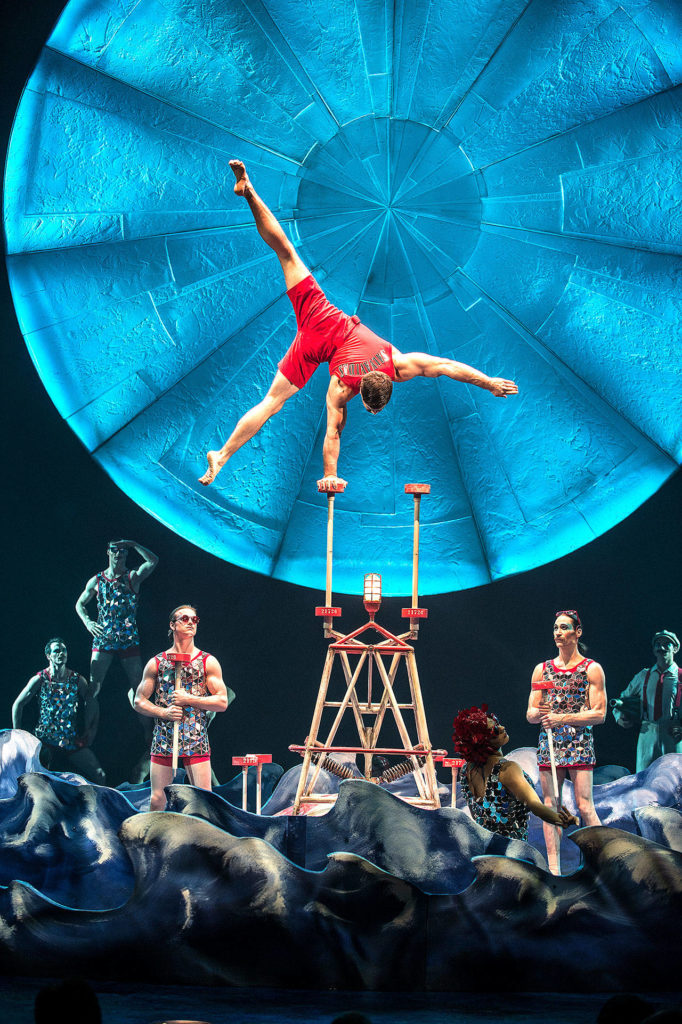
pixel 114 632
pixel 201 692
pixel 359 360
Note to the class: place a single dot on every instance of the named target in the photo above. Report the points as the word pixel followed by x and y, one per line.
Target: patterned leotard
pixel 193 737
pixel 573 745
pixel 57 718
pixel 116 613
pixel 498 810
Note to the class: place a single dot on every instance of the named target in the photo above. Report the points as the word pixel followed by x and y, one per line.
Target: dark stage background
pixel 60 509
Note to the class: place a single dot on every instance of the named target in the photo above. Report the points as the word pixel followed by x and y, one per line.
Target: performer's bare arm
pixel 420 364
pixel 25 697
pixel 533 713
pixel 149 562
pixel 594 713
pixel 83 601
pixel 512 778
pixel 145 691
pixel 215 686
pixel 338 395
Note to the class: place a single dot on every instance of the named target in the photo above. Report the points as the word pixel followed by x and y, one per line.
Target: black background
pixel 59 510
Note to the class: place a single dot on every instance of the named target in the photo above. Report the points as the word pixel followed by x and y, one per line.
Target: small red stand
pixel 455 763
pixel 245 762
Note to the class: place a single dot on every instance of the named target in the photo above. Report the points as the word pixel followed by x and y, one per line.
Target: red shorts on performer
pixel 167 760
pixel 321 329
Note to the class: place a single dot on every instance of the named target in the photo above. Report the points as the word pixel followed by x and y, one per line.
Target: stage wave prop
pixel 497 181
pixel 235 909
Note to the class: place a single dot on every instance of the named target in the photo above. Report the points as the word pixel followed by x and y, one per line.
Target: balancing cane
pixel 179 659
pixel 545 684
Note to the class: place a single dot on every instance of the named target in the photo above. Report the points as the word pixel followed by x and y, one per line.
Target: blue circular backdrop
pixel 493 180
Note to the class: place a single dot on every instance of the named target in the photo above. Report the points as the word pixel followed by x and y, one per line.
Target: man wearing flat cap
pixel 653 699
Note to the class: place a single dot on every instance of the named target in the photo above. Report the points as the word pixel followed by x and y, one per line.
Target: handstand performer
pixel 573 702
pixel 359 360
pixel 498 793
pixel 203 690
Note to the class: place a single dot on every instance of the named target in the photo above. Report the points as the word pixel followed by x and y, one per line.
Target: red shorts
pixel 122 652
pixel 167 760
pixel 321 329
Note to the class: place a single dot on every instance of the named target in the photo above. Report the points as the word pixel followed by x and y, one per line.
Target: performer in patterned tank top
pixel 62 696
pixel 571 703
pixel 114 632
pixel 202 691
pixel 359 360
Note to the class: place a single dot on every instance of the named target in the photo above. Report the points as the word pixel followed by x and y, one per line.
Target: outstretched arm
pixel 338 395
pixel 513 780
pixel 420 364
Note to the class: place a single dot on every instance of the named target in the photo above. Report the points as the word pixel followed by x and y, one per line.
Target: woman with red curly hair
pixel 498 793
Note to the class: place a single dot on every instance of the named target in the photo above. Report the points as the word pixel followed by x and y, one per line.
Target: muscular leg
pixel 99 666
pixel 200 774
pixel 582 786
pixel 250 423
pixel 294 270
pixel 551 832
pixel 160 775
pixel 83 762
pixel 133 670
pixel 269 228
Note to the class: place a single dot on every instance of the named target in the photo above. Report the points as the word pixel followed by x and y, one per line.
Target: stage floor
pixel 135 1004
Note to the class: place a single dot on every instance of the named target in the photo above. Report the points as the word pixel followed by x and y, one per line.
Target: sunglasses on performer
pixel 194 619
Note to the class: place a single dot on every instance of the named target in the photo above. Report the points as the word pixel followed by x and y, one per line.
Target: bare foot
pixel 214 467
pixel 242 183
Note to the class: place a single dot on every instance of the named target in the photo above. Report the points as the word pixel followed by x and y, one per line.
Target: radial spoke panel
pixel 493 182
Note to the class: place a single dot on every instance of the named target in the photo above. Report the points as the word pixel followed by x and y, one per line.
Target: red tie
pixel 658 697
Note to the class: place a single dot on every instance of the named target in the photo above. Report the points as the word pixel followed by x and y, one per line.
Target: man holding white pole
pixel 179 688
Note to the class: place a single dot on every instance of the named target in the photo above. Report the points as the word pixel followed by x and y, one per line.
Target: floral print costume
pixel 193 734
pixel 569 693
pixel 498 810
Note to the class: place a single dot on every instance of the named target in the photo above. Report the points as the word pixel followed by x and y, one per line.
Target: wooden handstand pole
pixel 178 660
pixel 415 612
pixel 328 611
pixel 385 652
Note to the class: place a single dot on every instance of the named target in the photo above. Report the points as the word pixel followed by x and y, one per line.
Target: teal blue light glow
pixel 502 188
